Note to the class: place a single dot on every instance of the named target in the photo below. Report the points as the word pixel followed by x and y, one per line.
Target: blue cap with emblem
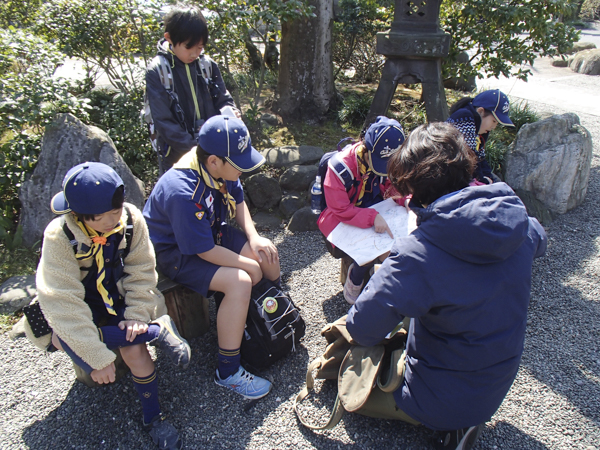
pixel 229 138
pixel 497 103
pixel 88 188
pixel 383 139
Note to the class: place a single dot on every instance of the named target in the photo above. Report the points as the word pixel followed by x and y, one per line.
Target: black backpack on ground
pixel 273 328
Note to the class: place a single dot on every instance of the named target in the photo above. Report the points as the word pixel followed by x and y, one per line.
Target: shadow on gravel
pixel 505 436
pixel 107 417
pixel 562 347
pixel 335 307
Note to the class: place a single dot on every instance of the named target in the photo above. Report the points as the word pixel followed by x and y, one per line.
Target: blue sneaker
pixel 244 383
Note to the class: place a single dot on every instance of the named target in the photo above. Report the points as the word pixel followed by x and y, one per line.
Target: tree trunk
pixel 305 87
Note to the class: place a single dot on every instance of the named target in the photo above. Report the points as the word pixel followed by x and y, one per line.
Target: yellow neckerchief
pixel 192 85
pixel 97 251
pixel 363 171
pixel 190 161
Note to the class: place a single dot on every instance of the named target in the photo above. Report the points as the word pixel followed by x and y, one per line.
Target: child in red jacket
pixel 366 161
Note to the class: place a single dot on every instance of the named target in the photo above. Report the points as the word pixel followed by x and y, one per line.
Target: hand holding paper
pixel 364 245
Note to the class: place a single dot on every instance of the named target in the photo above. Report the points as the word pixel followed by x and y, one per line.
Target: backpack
pixel 166 78
pixel 273 327
pixel 357 370
pixel 332 161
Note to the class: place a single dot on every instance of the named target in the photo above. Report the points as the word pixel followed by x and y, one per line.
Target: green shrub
pixel 590 10
pixel 119 115
pixel 354 37
pixel 30 98
pixel 500 139
pixel 355 108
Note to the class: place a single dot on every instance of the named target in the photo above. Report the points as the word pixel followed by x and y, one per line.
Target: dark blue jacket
pixel 464 276
pixel 468 121
pixel 175 139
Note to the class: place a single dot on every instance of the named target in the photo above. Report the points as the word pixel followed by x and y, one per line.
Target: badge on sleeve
pixel 199 215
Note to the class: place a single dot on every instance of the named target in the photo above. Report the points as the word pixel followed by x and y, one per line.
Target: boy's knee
pixel 132 353
pixel 240 286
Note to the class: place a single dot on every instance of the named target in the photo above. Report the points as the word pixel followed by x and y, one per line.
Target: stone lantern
pixel 414 48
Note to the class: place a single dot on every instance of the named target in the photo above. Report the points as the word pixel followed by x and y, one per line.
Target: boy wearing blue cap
pixel 189 213
pixel 96 284
pixel 367 163
pixel 475 118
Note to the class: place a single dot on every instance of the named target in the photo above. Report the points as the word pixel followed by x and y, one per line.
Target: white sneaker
pixel 351 290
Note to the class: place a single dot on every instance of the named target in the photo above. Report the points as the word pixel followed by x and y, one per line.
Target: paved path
pixel 555 86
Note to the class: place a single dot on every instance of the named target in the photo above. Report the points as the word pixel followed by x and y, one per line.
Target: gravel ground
pixel 553 404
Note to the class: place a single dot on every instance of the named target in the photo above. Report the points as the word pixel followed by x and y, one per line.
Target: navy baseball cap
pixel 383 139
pixel 497 103
pixel 88 188
pixel 229 138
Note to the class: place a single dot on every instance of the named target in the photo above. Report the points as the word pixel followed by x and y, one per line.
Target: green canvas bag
pixel 358 370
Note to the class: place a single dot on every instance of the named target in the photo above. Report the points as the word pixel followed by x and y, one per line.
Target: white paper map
pixel 364 245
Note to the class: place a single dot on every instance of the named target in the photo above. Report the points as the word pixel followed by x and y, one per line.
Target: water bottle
pixel 316 193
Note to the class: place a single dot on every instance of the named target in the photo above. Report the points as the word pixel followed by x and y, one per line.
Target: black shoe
pixel 163 434
pixel 171 342
pixel 463 439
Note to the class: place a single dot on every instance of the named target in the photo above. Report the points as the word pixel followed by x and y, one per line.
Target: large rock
pixel 580 46
pixel 551 159
pixel 264 221
pixel 290 204
pixel 586 62
pixel 17 292
pixel 292 155
pixel 263 190
pixel 303 220
pixel 298 178
pixel 560 62
pixel 66 143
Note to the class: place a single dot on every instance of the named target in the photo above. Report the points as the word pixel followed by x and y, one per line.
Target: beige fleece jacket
pixel 61 292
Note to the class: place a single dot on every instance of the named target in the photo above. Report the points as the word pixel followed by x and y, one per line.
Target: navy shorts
pixel 192 271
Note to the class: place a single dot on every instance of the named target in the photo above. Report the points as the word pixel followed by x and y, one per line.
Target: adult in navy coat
pixel 463 277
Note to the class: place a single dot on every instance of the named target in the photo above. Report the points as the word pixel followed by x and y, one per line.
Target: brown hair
pixel 434 161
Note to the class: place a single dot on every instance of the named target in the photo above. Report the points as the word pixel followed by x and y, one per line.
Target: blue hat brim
pixel 59 204
pixel 247 161
pixel 503 119
pixel 379 166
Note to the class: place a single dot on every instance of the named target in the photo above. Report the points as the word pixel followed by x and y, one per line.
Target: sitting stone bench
pixel 189 311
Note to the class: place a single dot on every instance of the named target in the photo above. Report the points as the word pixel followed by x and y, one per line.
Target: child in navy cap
pixel 366 161
pixel 189 213
pixel 475 118
pixel 96 287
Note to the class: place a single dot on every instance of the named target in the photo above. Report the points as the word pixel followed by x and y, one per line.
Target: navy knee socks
pixel 229 362
pixel 147 389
